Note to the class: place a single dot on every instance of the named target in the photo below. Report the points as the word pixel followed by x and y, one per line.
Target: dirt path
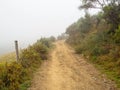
pixel 67 71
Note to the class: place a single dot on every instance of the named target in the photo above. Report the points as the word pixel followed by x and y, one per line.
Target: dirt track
pixel 67 71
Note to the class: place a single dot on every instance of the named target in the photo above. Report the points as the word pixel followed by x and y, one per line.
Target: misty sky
pixel 28 20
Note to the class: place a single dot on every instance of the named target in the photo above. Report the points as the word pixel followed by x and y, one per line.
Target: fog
pixel 29 20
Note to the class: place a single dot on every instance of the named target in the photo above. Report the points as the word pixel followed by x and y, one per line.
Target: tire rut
pixel 68 71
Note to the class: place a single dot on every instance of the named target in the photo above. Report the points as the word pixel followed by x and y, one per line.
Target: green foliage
pixel 16 75
pixel 45 41
pixel 78 31
pixel 24 85
pixel 110 8
pixel 96 43
pixel 29 57
pixel 117 35
pixel 62 37
pixel 86 24
pixel 12 76
pixel 112 16
pixel 40 48
pixel 52 38
pixel 79 50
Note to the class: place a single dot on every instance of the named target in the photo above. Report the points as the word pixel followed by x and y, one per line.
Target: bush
pixel 97 38
pixel 45 41
pixel 78 49
pixel 29 57
pixel 16 75
pixel 12 75
pixel 117 35
pixel 42 50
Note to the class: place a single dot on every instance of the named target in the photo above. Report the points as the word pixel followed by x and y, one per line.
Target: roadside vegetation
pixel 97 37
pixel 16 75
pixel 9 57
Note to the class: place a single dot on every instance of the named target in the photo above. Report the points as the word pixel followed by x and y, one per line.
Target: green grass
pixel 25 85
pixel 111 74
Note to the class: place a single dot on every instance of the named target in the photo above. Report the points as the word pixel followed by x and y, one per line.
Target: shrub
pixel 16 75
pixel 45 41
pixel 117 35
pixel 29 57
pixel 41 49
pixel 78 49
pixel 12 75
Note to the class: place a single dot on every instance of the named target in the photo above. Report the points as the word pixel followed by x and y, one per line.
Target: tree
pixel 98 4
pixel 52 38
pixel 110 8
pixel 112 16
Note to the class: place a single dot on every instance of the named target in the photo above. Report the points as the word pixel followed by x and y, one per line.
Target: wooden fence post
pixel 17 51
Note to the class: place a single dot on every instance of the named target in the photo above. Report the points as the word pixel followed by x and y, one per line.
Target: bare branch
pixel 100 3
pixel 104 2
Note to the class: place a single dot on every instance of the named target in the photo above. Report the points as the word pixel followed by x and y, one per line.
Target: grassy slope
pixel 9 57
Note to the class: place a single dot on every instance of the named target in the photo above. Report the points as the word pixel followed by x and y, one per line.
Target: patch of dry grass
pixel 9 57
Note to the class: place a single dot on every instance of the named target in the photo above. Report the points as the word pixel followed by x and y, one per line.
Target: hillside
pixel 8 57
pixel 97 37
